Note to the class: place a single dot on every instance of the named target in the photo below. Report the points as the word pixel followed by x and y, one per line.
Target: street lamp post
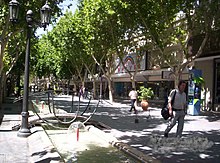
pixel 45 17
pixel 24 130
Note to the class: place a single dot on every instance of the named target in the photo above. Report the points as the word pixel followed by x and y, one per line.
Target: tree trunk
pixel 1 97
pixel 110 88
pixel 5 88
pixel 94 88
pixel 2 94
pixel 2 87
pixel 133 83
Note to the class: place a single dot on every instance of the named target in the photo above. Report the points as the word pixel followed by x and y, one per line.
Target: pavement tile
pixel 125 128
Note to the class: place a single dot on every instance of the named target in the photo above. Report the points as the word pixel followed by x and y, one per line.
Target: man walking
pixel 177 110
pixel 133 97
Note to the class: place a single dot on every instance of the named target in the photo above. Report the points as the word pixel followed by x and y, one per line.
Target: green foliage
pixel 199 80
pixel 101 29
pixel 47 60
pixel 145 93
pixel 13 36
pixel 69 47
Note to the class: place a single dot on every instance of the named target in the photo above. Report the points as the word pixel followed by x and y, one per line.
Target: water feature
pixel 79 141
pixel 88 145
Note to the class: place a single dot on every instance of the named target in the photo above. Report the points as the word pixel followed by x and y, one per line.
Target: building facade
pixel 161 82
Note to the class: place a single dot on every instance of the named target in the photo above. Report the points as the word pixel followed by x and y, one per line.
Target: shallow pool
pixel 90 145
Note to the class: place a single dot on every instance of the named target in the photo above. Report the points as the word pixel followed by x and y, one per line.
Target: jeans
pixel 178 116
pixel 132 104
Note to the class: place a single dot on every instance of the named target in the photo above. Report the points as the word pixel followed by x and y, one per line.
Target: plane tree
pixel 12 36
pixel 170 28
pixel 74 63
pixel 46 63
pixel 103 29
pixel 104 34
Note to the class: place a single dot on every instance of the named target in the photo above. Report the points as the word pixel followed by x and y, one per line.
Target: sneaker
pixel 166 135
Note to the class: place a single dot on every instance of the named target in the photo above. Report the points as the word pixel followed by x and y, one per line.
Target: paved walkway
pixel 200 142
pixel 36 148
pixel 143 132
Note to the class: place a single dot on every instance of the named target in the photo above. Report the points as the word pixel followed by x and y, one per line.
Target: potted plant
pixel 144 95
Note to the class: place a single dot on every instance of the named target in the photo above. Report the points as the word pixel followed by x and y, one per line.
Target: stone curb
pixel 136 154
pixel 108 137
pixel 103 135
pixel 41 148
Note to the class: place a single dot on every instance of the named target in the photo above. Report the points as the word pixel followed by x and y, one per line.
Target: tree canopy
pixel 13 36
pixel 100 31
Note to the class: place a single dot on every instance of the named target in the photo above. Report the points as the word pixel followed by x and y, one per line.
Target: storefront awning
pixel 148 75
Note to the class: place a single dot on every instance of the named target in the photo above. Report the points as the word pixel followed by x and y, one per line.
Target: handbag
pixel 165 110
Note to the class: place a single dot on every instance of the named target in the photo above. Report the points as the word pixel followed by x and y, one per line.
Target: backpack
pixel 165 110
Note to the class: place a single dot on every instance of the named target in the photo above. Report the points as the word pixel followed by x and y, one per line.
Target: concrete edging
pixel 138 155
pixel 41 148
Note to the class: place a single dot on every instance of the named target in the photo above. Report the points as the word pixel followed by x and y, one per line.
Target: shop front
pixel 149 78
pixel 210 67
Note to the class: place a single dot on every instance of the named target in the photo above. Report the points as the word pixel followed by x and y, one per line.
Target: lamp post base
pixel 24 133
pixel 24 130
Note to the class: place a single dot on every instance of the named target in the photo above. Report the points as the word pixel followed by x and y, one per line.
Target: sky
pixel 64 7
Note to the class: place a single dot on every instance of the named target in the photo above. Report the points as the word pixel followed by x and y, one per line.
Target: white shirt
pixel 133 94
